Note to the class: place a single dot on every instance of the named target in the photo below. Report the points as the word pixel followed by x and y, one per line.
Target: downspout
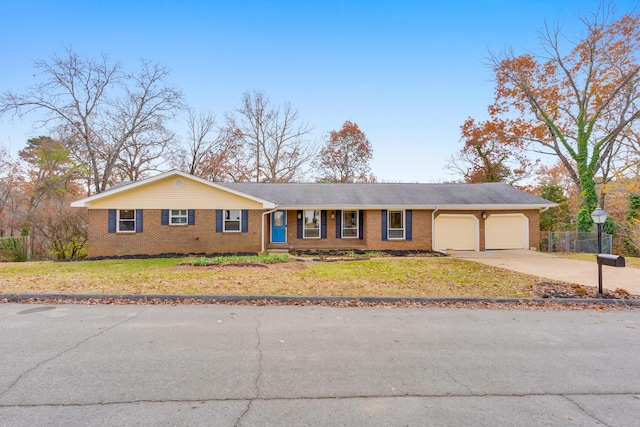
pixel 433 228
pixel 544 209
pixel 263 215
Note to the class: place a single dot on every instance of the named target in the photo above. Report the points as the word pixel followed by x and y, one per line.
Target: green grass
pixel 386 276
pixel 254 259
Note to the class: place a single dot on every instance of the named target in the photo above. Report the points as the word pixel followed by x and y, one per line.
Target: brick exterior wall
pixel 372 234
pixel 202 237
pixel 158 239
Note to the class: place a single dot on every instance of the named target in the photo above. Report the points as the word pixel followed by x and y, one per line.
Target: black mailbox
pixel 611 260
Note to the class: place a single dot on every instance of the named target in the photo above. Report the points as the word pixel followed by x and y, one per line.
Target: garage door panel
pixel 506 232
pixel 456 232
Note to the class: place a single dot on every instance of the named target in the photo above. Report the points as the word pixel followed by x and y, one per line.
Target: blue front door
pixel 279 227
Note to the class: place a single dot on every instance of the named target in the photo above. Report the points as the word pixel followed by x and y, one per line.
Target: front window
pixel 126 220
pixel 396 224
pixel 178 217
pixel 311 225
pixel 349 224
pixel 232 219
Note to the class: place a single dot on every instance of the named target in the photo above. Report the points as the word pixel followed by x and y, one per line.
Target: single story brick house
pixel 175 212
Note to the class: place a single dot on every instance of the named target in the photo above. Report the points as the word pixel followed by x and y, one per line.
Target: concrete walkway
pixel 557 268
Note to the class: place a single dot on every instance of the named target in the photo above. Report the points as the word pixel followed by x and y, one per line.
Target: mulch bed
pixel 574 290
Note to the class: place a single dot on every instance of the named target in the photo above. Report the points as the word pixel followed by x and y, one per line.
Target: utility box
pixel 611 260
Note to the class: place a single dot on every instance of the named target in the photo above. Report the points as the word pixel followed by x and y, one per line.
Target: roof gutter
pixel 263 215
pixel 433 228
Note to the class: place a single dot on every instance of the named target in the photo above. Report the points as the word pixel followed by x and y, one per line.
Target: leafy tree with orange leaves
pixel 345 156
pixel 485 158
pixel 577 106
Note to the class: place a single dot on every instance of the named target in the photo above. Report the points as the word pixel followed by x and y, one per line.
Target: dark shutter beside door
pixel 384 225
pixel 323 224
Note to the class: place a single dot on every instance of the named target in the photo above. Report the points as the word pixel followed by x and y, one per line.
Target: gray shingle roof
pixel 383 194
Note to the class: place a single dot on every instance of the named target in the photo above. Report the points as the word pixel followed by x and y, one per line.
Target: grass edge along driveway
pixel 386 276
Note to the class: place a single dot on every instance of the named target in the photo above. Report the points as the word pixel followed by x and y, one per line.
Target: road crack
pixel 318 398
pixel 78 344
pixel 455 380
pixel 587 413
pixel 258 348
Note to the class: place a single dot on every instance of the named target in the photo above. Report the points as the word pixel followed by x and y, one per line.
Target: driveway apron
pixel 557 268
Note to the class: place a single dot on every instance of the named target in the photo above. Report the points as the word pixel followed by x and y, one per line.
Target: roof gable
pixel 173 189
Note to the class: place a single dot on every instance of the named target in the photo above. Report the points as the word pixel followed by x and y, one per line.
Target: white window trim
pixel 357 227
pixel 304 229
pixel 118 221
pixel 185 216
pixel 404 225
pixel 224 221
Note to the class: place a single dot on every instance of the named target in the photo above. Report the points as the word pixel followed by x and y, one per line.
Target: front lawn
pixel 633 262
pixel 392 277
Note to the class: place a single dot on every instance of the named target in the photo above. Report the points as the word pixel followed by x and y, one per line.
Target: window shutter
pixel 300 214
pixel 138 220
pixel 338 224
pixel 164 217
pixel 218 220
pixel 112 220
pixel 360 225
pixel 323 224
pixel 245 220
pixel 384 225
pixel 191 217
pixel 408 227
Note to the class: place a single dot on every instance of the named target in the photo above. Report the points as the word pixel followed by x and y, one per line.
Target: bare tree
pixel 144 154
pixel 208 152
pixel 272 142
pixel 99 108
pixel 12 197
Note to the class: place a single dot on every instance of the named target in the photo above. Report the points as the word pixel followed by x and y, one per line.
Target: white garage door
pixel 457 232
pixel 506 232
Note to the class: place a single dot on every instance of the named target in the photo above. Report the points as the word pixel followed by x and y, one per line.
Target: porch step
pixel 277 251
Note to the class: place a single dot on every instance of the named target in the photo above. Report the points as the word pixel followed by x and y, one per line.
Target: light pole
pixel 599 216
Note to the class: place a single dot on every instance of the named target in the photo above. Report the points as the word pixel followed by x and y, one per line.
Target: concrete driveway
pixel 557 268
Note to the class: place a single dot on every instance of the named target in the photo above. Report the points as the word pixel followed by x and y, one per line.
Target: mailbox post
pixel 599 216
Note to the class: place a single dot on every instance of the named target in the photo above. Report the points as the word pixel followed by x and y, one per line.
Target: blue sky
pixel 407 72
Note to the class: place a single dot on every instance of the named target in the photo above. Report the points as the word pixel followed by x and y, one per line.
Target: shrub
pixel 13 249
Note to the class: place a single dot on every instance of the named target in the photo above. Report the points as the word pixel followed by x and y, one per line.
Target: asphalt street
pixel 226 365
